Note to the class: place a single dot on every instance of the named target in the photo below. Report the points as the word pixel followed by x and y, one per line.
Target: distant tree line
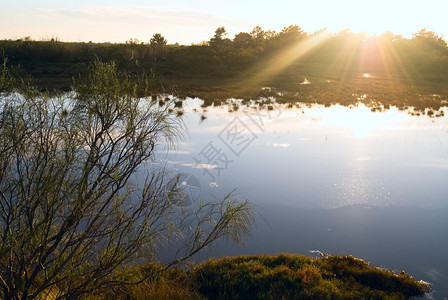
pixel 424 53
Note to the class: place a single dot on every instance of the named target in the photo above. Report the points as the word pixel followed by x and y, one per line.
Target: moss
pixel 283 276
pixel 287 276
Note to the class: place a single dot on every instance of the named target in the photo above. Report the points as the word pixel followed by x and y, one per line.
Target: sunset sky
pixel 193 21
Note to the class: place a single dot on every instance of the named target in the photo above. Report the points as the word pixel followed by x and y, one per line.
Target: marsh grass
pixel 159 284
pixel 283 276
pixel 330 84
pixel 288 276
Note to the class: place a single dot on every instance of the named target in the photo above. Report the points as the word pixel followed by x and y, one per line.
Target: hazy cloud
pixel 133 15
pixel 201 166
pixel 119 23
pixel 281 145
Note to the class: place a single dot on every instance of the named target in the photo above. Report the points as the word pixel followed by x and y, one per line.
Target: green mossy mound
pixel 288 276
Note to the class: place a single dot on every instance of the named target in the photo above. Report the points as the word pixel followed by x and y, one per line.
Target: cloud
pixel 175 152
pixel 281 145
pixel 132 15
pixel 119 23
pixel 201 166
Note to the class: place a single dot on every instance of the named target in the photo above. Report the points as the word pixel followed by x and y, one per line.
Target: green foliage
pixel 70 210
pixel 156 283
pixel 284 276
pixel 66 216
pixel 291 34
pixel 429 39
pixel 423 55
pixel 6 79
pixel 288 276
pixel 158 39
pixel 220 32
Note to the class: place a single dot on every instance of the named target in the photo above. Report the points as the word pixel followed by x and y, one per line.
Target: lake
pixel 338 179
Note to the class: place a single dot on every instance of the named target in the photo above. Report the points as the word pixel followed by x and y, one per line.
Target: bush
pixel 71 211
pixel 288 276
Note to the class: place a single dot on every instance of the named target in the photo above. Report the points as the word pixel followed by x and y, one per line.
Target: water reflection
pixel 336 179
pixel 360 120
pixel 305 81
pixel 340 155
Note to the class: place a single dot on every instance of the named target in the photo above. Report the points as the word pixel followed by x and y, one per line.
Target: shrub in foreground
pixel 80 194
pixel 288 276
pixel 284 276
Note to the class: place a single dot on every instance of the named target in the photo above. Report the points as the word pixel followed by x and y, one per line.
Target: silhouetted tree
pixel 425 53
pixel 217 39
pixel 429 40
pixel 258 33
pixel 242 40
pixel 133 41
pixel 158 46
pixel 292 33
pixel 158 39
pixel 219 33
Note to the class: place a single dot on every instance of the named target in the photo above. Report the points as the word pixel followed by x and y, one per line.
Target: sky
pixel 194 21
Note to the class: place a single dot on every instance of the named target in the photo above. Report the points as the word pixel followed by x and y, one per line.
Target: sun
pixel 373 17
pixel 359 120
pixel 368 29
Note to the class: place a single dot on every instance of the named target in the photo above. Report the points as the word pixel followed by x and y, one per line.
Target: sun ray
pixel 387 60
pixel 346 57
pixel 279 62
pixel 398 60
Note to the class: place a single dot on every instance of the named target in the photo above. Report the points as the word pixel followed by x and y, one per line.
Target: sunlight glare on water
pixel 360 120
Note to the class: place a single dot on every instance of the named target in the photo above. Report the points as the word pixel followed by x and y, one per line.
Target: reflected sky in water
pixel 342 180
pixel 321 157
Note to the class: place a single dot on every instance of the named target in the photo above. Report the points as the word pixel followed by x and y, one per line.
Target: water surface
pixel 342 180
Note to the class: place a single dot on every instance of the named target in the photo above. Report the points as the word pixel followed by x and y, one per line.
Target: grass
pixel 283 276
pixel 379 92
pixel 288 276
pixel 328 84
